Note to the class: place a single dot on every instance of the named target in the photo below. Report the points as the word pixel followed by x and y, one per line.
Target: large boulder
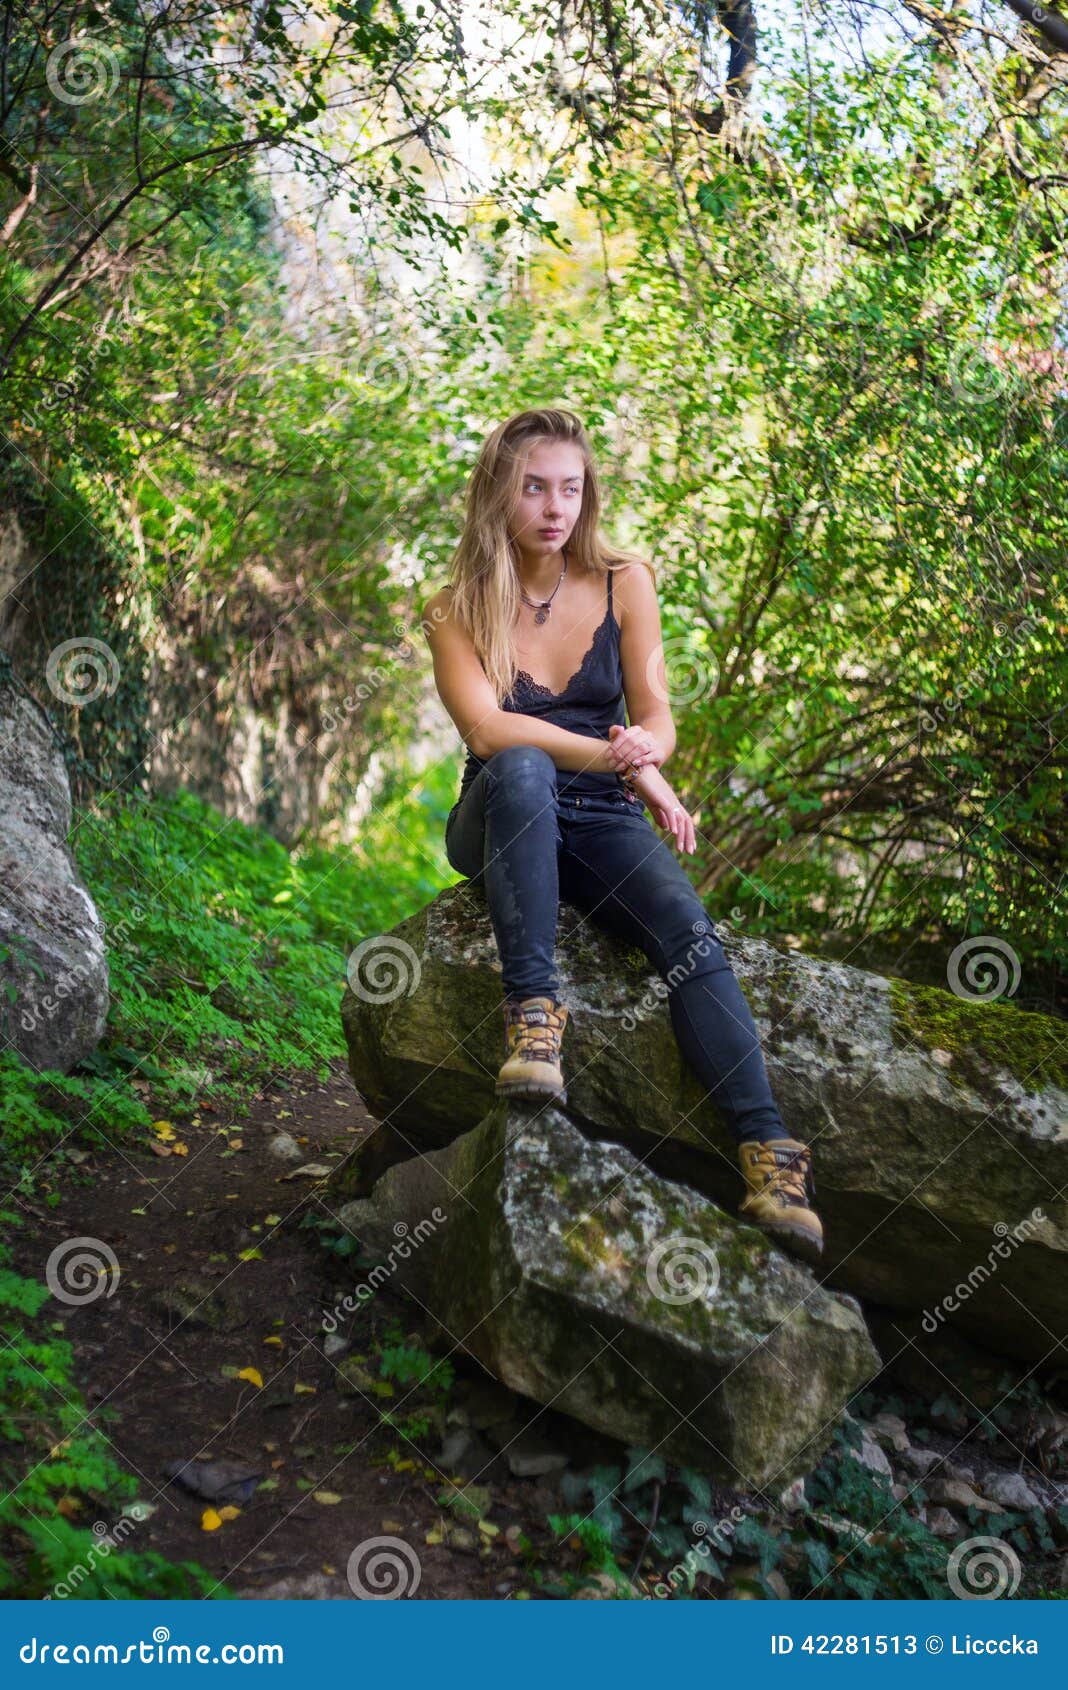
pixel 939 1124
pixel 581 1279
pixel 53 968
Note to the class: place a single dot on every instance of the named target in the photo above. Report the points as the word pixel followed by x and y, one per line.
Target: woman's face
pixel 550 499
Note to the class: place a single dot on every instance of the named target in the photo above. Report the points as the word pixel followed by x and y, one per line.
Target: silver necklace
pixel 541 610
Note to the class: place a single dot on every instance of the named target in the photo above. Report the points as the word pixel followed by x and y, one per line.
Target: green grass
pixel 227 959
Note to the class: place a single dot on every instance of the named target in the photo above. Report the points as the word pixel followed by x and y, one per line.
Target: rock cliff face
pixel 53 969
pixel 939 1126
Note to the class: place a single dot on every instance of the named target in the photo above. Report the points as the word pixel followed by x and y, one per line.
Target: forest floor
pixel 158 1359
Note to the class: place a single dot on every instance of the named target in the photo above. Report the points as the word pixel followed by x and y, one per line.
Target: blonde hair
pixel 484 580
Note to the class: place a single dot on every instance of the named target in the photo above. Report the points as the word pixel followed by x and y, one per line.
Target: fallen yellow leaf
pixel 229 1512
pixel 252 1374
pixel 180 1149
pixel 328 1496
pixel 163 1128
pixel 273 1340
pixel 210 1521
pixel 305 1390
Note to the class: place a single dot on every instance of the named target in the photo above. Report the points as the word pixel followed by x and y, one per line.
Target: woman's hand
pixel 668 812
pixel 632 747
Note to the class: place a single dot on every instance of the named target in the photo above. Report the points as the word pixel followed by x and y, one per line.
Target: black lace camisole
pixel 590 702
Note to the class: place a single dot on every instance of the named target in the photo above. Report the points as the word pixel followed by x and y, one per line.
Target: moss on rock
pixel 981 1037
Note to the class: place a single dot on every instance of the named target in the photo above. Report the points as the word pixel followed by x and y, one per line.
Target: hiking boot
pixel 533 1028
pixel 781 1186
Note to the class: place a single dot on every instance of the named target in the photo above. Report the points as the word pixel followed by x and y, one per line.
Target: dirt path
pixel 188 1307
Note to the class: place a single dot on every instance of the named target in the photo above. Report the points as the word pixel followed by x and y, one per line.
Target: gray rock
pixel 956 1493
pixel 304 1587
pixel 942 1523
pixel 579 1278
pixel 531 1456
pixel 925 1207
pixel 890 1430
pixel 464 1453
pixel 868 1452
pixel 1011 1490
pixel 53 966
pixel 919 1461
pixel 284 1148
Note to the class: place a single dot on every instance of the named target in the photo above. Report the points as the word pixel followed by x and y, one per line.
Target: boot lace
pixel 537 1030
pixel 790 1174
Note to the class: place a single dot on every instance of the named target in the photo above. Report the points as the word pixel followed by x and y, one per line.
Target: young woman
pixel 543 633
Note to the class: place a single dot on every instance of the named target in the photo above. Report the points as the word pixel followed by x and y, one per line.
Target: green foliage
pixel 55 1462
pixel 226 957
pixel 598 1557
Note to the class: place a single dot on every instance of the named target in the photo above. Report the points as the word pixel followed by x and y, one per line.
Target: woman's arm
pixel 641 652
pixel 469 698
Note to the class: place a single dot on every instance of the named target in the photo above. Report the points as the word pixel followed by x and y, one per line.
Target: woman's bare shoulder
pixel 436 608
pixel 634 584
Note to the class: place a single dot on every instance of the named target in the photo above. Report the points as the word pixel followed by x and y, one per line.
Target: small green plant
pixel 598 1557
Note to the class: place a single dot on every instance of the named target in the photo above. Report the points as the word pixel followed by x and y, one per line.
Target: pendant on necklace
pixel 540 615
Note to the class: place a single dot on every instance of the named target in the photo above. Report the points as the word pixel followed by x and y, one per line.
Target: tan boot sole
pixel 531 1088
pixel 797 1239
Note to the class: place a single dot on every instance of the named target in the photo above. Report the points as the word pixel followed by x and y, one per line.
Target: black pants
pixel 530 846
